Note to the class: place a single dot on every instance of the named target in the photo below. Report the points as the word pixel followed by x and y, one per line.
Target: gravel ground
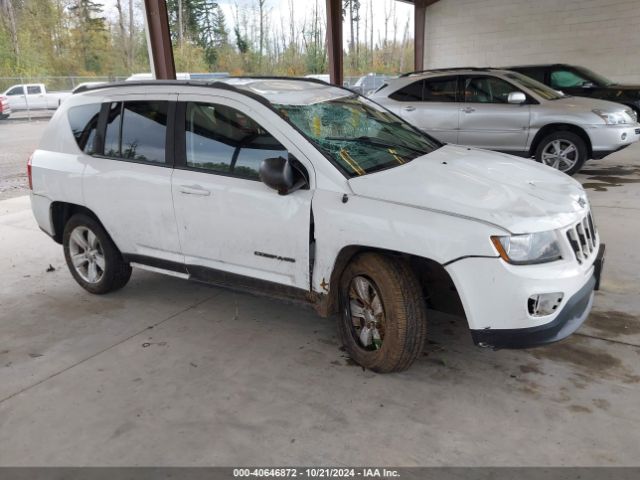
pixel 18 138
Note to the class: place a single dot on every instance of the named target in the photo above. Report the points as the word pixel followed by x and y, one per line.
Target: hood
pixel 622 88
pixel 618 93
pixel 586 104
pixel 518 195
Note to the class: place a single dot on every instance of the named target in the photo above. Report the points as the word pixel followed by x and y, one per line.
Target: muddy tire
pixel 383 292
pixel 93 259
pixel 564 151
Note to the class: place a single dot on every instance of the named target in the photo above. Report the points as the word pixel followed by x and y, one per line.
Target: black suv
pixel 582 82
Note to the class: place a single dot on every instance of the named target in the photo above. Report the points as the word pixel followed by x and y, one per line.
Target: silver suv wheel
pixel 563 150
pixel 560 154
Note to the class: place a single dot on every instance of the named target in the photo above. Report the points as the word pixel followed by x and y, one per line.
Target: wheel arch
pixel 439 289
pixel 558 127
pixel 61 212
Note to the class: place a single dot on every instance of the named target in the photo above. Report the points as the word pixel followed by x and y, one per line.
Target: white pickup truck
pixel 33 96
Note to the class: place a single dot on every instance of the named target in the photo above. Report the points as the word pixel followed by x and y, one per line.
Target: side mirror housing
pixel 517 98
pixel 282 174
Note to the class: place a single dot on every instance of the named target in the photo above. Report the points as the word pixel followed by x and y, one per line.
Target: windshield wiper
pixel 375 141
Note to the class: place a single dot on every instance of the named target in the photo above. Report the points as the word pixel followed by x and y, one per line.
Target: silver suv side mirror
pixel 517 97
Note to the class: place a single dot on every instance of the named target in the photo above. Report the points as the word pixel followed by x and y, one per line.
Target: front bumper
pixel 570 318
pixel 606 139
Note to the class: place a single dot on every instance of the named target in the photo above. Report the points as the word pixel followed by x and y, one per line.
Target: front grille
pixel 582 237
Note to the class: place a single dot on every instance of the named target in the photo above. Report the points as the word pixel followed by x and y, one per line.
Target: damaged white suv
pixel 304 190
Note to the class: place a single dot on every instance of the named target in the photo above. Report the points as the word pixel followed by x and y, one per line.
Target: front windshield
pixel 535 86
pixel 593 77
pixel 359 135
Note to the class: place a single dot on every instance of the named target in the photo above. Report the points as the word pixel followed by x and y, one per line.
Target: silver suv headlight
pixel 616 118
pixel 528 249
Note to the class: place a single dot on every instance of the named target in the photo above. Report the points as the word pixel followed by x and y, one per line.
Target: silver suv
pixel 509 112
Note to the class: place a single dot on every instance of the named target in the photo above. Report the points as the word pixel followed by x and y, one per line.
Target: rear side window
pixel 34 90
pixel 137 131
pixel 440 90
pixel 83 120
pixel 224 140
pixel 410 93
pixel 112 135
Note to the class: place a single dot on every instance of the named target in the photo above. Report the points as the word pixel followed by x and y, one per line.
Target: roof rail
pixel 195 82
pixel 451 69
pixel 223 85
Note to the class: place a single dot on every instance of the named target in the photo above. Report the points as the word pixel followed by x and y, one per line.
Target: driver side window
pixel 224 140
pixel 484 89
pixel 566 79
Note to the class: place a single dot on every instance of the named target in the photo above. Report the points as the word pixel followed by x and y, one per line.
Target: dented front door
pixel 228 219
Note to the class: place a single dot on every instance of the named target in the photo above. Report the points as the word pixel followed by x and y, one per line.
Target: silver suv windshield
pixel 358 135
pixel 536 87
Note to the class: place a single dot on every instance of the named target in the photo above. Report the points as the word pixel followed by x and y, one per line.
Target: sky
pixel 278 8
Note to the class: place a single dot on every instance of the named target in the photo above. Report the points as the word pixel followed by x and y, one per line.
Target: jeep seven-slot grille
pixel 582 237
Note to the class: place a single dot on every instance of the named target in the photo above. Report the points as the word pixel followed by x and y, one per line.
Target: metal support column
pixel 420 17
pixel 334 41
pixel 159 38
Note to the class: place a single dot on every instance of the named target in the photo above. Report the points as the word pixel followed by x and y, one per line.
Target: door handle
pixel 194 190
pixel 468 109
pixel 409 108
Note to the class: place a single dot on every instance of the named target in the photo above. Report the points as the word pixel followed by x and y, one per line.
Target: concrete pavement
pixel 168 372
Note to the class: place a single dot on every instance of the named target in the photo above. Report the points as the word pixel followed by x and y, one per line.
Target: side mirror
pixel 283 175
pixel 517 98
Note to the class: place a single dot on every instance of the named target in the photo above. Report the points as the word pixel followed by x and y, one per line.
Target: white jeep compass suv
pixel 304 190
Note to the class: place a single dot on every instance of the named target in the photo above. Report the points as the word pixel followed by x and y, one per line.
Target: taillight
pixel 29 171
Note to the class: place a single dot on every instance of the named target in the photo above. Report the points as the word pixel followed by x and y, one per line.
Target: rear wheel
pixel 382 322
pixel 92 257
pixel 564 151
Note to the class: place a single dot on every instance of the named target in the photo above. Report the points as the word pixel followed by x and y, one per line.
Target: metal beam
pixel 420 19
pixel 334 41
pixel 159 38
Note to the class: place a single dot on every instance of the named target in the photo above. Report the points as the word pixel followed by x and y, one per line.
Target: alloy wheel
pixel 87 255
pixel 367 313
pixel 560 154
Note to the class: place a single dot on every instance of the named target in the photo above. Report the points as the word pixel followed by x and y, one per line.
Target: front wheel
pixel 382 321
pixel 92 257
pixel 564 151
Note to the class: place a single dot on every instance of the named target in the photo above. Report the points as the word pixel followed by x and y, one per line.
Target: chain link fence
pixel 55 83
pixel 22 108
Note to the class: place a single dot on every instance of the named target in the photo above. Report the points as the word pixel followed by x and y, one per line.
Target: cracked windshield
pixel 358 135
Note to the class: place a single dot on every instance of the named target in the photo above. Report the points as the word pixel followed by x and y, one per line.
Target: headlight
pixel 528 249
pixel 614 118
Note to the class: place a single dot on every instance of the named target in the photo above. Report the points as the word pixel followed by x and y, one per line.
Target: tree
pixel 352 7
pixel 90 35
pixel 241 41
pixel 9 18
pixel 314 44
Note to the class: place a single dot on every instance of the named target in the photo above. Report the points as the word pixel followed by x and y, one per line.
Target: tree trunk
pixel 123 34
pixel 132 37
pixel 7 7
